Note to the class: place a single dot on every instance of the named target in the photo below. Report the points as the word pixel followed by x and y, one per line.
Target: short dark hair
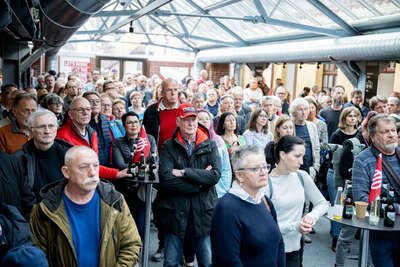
pixel 88 93
pixel 21 97
pixel 106 83
pixel 356 92
pixel 128 114
pixel 286 144
pixel 6 86
pixel 220 125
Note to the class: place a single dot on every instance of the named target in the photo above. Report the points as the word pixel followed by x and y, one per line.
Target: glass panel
pixel 133 67
pixel 110 68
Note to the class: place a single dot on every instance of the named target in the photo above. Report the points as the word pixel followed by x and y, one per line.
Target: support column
pixel 362 77
pixel 236 73
pixel 197 67
pixel 290 79
pixel 51 61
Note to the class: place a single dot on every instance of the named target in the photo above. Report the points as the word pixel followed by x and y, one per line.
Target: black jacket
pixel 192 194
pixel 151 120
pixel 27 161
pixel 13 186
pixel 122 148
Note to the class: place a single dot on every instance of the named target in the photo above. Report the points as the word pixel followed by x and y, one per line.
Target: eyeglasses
pixel 43 127
pixel 94 101
pixel 82 110
pixel 256 169
pixel 132 122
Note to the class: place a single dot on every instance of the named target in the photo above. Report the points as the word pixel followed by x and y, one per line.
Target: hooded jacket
pixel 192 195
pixel 70 134
pixel 119 244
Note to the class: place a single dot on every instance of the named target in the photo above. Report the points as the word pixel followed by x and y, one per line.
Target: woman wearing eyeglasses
pixel 244 229
pixel 289 153
pixel 136 140
pixel 257 133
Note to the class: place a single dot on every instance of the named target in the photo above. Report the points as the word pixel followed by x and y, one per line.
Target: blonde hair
pixel 281 120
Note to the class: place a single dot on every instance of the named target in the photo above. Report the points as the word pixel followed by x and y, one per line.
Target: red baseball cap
pixel 186 110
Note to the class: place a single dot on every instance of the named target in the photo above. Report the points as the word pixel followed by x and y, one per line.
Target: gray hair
pixel 396 100
pixel 198 95
pixel 32 118
pixel 268 98
pixel 237 90
pixel 71 153
pixel 297 102
pixel 373 122
pixel 241 153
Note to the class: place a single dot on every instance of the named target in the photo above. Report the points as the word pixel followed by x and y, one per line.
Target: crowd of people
pixel 245 173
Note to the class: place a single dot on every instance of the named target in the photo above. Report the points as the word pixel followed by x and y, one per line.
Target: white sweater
pixel 288 199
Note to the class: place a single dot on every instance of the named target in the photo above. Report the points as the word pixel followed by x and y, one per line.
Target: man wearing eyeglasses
pixel 77 132
pixel 41 159
pixel 73 91
pixel 189 168
pixel 101 124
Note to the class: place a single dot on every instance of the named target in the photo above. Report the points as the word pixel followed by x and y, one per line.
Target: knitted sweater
pixel 245 234
pixel 289 204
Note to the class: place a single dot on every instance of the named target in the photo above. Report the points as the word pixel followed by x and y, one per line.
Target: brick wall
pixel 216 71
pixel 153 67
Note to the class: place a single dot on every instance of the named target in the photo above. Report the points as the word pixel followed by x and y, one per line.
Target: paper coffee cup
pixel 361 208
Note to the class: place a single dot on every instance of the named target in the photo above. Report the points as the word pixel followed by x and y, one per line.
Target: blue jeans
pixel 173 247
pixel 330 181
pixel 384 248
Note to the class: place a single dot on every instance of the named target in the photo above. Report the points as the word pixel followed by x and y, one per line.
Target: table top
pixel 363 223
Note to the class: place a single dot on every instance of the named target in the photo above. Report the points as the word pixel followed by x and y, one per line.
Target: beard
pixel 338 101
pixel 387 147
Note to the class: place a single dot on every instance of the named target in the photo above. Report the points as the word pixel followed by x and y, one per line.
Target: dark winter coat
pixel 13 187
pixel 194 193
pixel 28 162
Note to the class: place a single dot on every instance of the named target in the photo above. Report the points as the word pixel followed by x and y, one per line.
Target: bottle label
pixel 349 210
pixel 391 216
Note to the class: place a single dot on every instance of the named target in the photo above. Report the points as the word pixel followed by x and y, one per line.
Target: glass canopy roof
pixel 123 26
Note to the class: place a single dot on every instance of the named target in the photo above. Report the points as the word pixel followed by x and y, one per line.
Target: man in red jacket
pixel 77 132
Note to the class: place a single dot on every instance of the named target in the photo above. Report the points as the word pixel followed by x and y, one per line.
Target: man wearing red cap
pixel 189 169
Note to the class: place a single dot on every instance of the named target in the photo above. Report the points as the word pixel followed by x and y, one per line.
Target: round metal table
pixel 365 228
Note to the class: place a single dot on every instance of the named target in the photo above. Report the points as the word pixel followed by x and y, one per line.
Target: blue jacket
pixel 109 130
pixel 363 173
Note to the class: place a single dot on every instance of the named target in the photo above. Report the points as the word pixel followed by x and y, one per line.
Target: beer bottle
pixel 132 167
pixel 390 211
pixel 142 167
pixel 383 204
pixel 153 166
pixel 348 204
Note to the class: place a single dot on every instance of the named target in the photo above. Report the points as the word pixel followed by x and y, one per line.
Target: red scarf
pixel 143 144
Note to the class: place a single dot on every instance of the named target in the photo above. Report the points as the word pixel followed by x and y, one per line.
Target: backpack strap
pixel 271 189
pixel 301 179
